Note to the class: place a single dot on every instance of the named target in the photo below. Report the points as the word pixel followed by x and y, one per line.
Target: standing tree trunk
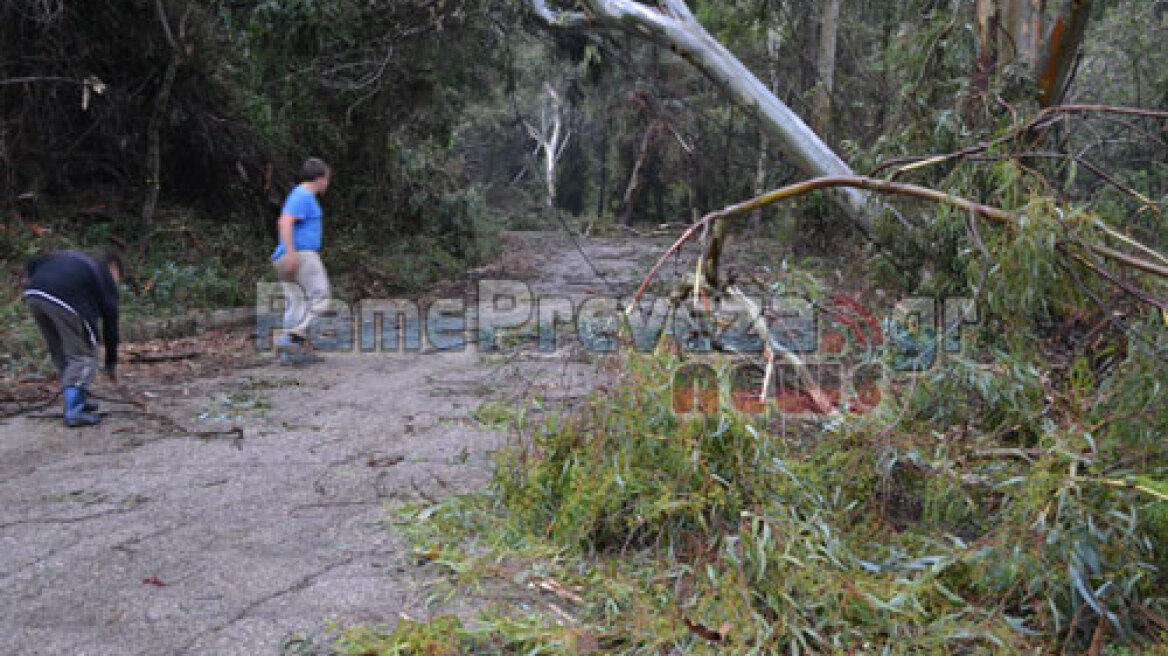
pixel 1063 41
pixel 637 178
pixel 1045 35
pixel 774 46
pixel 154 131
pixel 727 148
pixel 693 172
pixel 551 137
pixel 759 185
pixel 602 192
pixel 989 22
pixel 154 148
pixel 825 67
pixel 673 25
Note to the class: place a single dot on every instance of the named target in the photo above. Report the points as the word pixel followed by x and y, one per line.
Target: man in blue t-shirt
pixel 297 259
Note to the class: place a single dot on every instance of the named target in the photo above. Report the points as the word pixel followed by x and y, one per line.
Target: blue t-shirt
pixel 306 233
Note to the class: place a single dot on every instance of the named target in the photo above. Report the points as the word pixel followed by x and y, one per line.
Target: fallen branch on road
pixel 142 409
pixel 151 358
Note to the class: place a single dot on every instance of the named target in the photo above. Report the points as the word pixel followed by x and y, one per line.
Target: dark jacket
pixel 85 286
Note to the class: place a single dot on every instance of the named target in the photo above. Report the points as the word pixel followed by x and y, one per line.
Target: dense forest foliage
pixel 428 109
pixel 1016 502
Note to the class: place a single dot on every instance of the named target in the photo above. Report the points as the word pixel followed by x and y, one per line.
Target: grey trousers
pixel 72 345
pixel 306 293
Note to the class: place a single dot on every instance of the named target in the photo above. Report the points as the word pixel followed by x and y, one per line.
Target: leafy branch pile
pixel 1021 528
pixel 1014 500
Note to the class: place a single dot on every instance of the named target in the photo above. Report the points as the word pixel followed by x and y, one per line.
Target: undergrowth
pixel 623 528
pixel 193 263
pixel 1012 500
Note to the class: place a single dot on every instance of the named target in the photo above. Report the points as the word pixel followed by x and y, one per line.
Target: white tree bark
pixel 673 25
pixel 551 138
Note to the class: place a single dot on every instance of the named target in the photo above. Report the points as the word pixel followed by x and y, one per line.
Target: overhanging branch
pixel 882 186
pixel 675 28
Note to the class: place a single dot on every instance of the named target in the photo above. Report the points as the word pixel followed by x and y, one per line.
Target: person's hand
pixel 289 263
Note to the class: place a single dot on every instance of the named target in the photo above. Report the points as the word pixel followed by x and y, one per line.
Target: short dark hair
pixel 112 257
pixel 313 168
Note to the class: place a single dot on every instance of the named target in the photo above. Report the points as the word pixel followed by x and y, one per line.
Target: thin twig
pixel 1101 109
pixel 1135 292
pixel 151 358
pixel 1112 232
pixel 1118 324
pixel 1090 166
pixel 142 410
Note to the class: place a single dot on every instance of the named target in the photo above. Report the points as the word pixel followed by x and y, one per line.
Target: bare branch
pixel 1129 260
pixel 1112 232
pixel 1105 109
pixel 883 186
pixel 1128 288
pixel 165 25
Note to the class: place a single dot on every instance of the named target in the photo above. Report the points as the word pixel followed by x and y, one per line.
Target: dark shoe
pixel 75 411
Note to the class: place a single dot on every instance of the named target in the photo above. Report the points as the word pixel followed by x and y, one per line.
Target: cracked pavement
pixel 123 539
pixel 184 546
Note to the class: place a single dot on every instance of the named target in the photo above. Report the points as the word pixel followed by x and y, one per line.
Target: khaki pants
pixel 306 293
pixel 71 342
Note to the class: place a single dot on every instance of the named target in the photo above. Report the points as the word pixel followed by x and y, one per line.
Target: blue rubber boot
pixel 288 343
pixel 287 349
pixel 75 414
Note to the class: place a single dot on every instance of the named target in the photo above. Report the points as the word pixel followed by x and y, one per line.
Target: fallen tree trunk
pixel 144 330
pixel 673 26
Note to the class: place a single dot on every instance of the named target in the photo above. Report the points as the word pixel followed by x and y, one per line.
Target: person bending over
pixel 66 293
